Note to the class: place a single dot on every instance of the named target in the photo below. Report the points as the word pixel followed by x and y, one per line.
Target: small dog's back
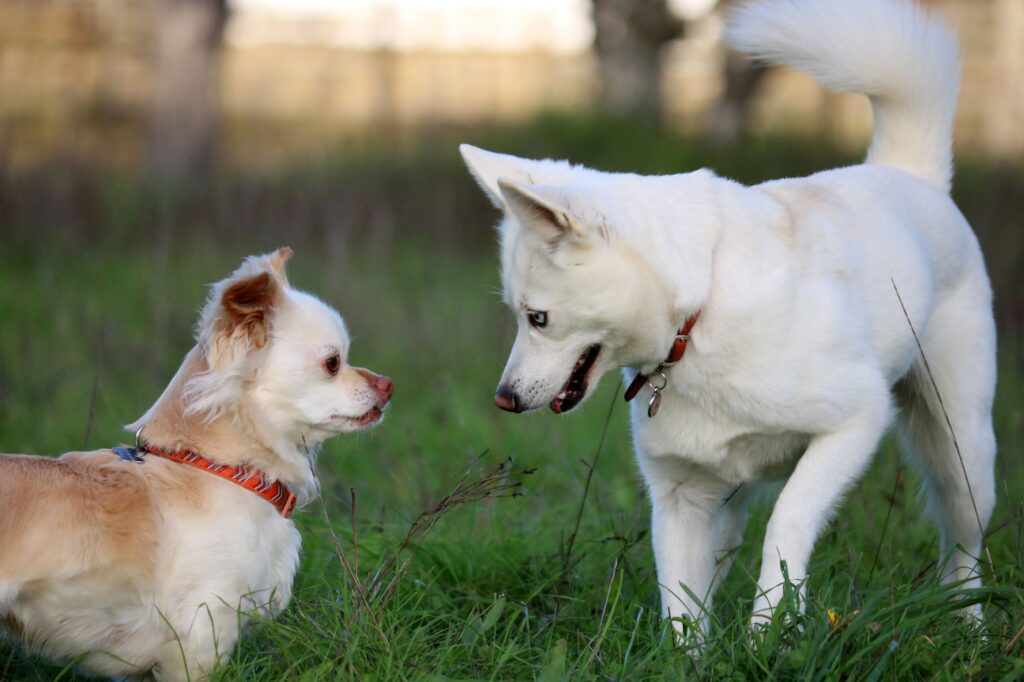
pixel 75 531
pixel 98 506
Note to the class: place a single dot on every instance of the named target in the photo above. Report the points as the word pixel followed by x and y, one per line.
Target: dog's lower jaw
pixel 364 422
pixel 575 388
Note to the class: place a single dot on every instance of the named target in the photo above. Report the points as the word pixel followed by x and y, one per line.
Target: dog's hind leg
pixel 959 344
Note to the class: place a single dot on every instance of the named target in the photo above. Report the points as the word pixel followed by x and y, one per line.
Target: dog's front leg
pixel 685 507
pixel 833 462
pixel 202 645
pixel 732 522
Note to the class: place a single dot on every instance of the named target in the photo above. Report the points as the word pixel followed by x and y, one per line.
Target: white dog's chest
pixel 730 449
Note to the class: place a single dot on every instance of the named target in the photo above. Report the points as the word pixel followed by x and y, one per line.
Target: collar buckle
pixel 675 354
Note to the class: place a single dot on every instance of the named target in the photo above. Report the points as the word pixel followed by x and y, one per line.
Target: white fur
pixel 906 61
pixel 802 353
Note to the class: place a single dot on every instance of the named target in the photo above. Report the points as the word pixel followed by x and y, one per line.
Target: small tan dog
pixel 148 560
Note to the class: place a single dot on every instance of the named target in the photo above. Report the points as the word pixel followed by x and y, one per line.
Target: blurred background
pixel 147 146
pixel 187 95
pixel 175 86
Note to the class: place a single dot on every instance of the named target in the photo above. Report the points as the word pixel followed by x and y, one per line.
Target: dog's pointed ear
pixel 488 167
pixel 542 208
pixel 238 316
pixel 248 303
pixel 278 260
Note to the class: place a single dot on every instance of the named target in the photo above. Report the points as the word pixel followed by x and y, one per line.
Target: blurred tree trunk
pixel 183 129
pixel 731 115
pixel 629 35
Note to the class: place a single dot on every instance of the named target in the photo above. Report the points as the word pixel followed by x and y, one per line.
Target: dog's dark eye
pixel 332 364
pixel 537 318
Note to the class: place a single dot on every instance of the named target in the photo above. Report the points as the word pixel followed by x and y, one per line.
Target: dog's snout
pixel 381 384
pixel 506 399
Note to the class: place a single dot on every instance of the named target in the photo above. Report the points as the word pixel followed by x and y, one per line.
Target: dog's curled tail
pixel 904 60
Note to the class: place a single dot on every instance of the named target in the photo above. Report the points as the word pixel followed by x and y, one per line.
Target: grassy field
pixel 100 282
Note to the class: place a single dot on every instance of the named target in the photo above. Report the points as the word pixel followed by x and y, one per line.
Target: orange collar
pixel 657 379
pixel 250 478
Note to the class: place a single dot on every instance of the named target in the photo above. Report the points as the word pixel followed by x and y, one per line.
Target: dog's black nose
pixel 506 399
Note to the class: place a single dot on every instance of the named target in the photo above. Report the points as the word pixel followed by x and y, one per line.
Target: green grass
pixel 94 319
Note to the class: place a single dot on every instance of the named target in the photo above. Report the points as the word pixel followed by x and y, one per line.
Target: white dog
pixel 786 294
pixel 149 560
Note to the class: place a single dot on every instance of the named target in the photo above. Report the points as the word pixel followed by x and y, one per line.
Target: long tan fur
pixel 149 568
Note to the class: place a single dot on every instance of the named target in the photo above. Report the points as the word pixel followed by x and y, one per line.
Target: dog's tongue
pixel 556 405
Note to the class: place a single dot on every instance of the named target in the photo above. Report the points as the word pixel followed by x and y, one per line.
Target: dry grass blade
pixel 370 599
pixel 949 423
pixel 355 534
pixel 350 572
pixel 567 552
pixel 95 388
pixel 501 481
pixel 362 605
pixel 896 483
pixel 1013 642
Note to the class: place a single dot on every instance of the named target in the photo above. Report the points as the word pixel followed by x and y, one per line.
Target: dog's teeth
pixel 562 395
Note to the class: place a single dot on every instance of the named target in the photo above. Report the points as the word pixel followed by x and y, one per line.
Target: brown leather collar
pixel 675 354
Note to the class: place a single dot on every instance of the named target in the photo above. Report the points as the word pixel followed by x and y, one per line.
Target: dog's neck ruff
pixel 248 477
pixel 657 379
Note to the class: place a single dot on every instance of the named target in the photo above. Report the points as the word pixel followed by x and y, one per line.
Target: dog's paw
pixel 688 634
pixel 758 629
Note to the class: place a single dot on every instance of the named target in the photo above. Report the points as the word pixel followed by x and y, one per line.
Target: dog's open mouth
pixel 576 387
pixel 371 416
